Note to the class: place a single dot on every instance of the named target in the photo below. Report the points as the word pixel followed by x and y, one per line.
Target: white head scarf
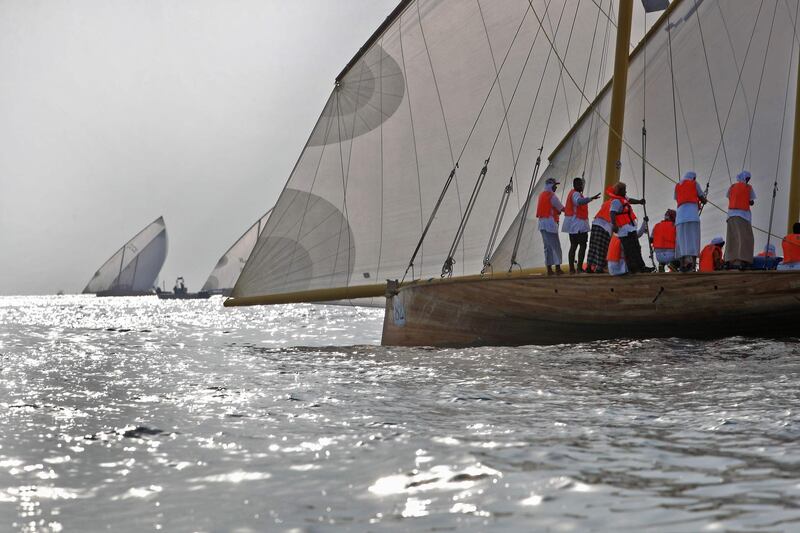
pixel 717 240
pixel 689 176
pixel 742 177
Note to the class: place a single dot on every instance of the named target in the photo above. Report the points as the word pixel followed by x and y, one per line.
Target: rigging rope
pixel 674 108
pixel 447 267
pixel 783 124
pixel 503 200
pixel 760 82
pixel 644 144
pixel 449 180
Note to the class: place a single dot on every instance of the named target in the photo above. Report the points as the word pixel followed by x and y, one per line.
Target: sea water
pixel 134 414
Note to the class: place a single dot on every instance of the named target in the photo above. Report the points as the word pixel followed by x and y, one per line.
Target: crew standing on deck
pixel 689 196
pixel 623 223
pixel 547 211
pixel 791 250
pixel 576 223
pixel 602 230
pixel 664 242
pixel 741 197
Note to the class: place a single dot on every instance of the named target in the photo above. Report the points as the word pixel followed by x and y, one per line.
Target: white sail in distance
pixel 229 266
pixel 443 82
pixel 135 266
pixel 733 67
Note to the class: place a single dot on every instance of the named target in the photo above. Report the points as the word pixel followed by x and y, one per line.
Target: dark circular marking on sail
pixel 369 94
pixel 307 244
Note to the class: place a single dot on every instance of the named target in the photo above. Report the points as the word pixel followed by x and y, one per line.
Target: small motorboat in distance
pixel 180 292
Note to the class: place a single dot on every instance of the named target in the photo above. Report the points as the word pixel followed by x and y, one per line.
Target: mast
pixel 794 189
pixel 618 88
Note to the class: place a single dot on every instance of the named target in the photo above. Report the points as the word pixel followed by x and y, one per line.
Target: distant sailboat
pixel 230 265
pixel 441 119
pixel 134 268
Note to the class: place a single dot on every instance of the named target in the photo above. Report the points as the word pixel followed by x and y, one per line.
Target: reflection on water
pixel 134 414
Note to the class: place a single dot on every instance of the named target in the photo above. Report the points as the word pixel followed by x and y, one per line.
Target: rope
pixel 501 211
pixel 674 107
pixel 524 212
pixel 716 108
pixel 449 180
pixel 644 144
pixel 783 124
pixel 760 82
pixel 538 163
pixel 738 84
pixel 447 268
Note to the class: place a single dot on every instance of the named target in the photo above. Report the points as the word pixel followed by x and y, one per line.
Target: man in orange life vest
pixel 603 229
pixel 741 196
pixel 664 242
pixel 791 250
pixel 689 197
pixel 576 223
pixel 547 211
pixel 711 255
pixel 623 223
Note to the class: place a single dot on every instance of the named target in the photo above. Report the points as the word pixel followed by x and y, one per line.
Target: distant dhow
pixel 134 268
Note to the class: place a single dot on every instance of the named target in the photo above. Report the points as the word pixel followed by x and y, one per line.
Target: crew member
pixel 617 263
pixel 689 197
pixel 768 251
pixel 547 211
pixel 711 256
pixel 741 197
pixel 616 257
pixel 600 237
pixel 664 242
pixel 623 223
pixel 791 250
pixel 576 223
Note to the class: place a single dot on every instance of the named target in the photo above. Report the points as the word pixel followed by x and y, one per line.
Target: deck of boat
pixel 538 309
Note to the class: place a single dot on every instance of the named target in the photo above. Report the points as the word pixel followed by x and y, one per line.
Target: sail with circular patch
pixel 443 87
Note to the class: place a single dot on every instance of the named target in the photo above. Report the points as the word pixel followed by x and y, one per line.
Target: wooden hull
pixel 538 309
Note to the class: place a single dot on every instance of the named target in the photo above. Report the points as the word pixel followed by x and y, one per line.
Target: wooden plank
pixel 563 309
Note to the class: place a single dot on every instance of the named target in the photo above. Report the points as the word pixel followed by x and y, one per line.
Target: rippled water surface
pixel 131 414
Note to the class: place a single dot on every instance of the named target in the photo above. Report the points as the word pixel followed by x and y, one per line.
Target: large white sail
pixel 732 64
pixel 229 266
pixel 135 266
pixel 441 82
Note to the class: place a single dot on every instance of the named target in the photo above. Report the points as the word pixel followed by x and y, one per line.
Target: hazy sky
pixel 115 112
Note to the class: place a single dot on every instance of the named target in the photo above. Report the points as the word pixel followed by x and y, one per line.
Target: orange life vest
pixel 614 254
pixel 791 248
pixel 686 192
pixel 710 258
pixel 739 196
pixel 664 235
pixel 545 208
pixel 579 211
pixel 627 216
pixel 765 254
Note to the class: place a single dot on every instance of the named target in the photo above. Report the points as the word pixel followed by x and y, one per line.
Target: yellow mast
pixel 794 190
pixel 618 88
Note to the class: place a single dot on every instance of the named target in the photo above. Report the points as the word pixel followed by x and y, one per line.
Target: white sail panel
pixel 752 55
pixel 135 266
pixel 229 266
pixel 421 98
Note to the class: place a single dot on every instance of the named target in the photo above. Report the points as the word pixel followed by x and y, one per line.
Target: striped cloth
pixel 598 248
